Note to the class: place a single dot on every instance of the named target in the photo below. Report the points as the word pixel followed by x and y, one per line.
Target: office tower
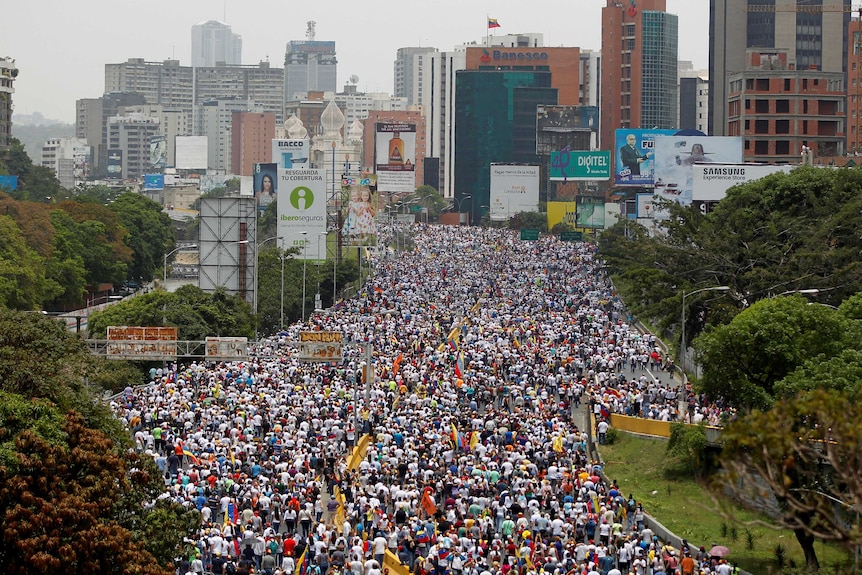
pixel 213 119
pixel 413 75
pixel 213 44
pixel 639 67
pixel 854 88
pixel 495 122
pixel 309 65
pixel 8 73
pixel 251 141
pixel 813 34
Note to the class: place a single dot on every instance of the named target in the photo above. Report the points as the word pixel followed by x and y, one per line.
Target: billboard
pixel 560 126
pixel 154 182
pixel 634 163
pixel 226 349
pixel 141 343
pixel 710 183
pixel 320 346
pixel 591 212
pixel 291 154
pixel 114 165
pixel 644 206
pixel 209 182
pixel 514 189
pixel 360 226
pixel 567 165
pixel 562 213
pixel 82 159
pixel 191 152
pixel 158 152
pixel 8 183
pixel 265 184
pixel 676 156
pixel 395 156
pixel 302 208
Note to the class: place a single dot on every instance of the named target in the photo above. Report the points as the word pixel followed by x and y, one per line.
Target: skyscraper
pixel 309 65
pixel 639 67
pixel 213 43
pixel 813 33
pixel 413 74
pixel 8 73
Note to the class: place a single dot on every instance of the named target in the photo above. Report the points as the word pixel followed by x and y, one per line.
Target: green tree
pixel 151 234
pixel 805 452
pixel 66 265
pixel 686 447
pixel 23 280
pixel 744 359
pixel 35 183
pixel 529 220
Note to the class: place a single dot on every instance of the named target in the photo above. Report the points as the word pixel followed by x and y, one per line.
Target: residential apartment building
pixel 91 123
pixel 412 71
pixel 8 73
pixel 693 98
pixel 778 110
pixel 814 36
pixel 213 119
pixel 251 141
pixel 69 158
pixel 358 105
pixel 131 134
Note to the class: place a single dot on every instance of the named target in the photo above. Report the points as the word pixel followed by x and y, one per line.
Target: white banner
pixel 676 157
pixel 291 154
pixel 302 208
pixel 514 189
pixel 710 183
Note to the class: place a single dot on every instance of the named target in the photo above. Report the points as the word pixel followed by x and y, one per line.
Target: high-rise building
pixel 213 119
pixel 131 133
pixel 169 84
pixel 309 65
pixel 413 73
pixel 213 43
pixel 69 158
pixel 8 73
pixel 251 141
pixel 813 34
pixel 693 98
pixel 495 122
pixel 854 87
pixel 173 122
pixel 91 122
pixel 639 67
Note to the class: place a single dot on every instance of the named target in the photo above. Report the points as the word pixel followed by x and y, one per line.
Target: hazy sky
pixel 61 47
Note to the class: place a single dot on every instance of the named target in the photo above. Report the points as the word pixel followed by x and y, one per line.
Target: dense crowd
pixel 487 352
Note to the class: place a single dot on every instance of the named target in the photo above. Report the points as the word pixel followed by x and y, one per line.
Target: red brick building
pixel 251 141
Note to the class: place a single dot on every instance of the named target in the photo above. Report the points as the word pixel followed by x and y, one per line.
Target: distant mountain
pixel 33 136
pixel 34 119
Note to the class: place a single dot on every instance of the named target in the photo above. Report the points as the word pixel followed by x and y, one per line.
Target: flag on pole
pixel 459 365
pixel 492 23
pixel 428 503
pixel 474 439
pixel 302 563
pixel 397 364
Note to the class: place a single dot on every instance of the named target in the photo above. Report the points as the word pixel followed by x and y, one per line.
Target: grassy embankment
pixel 640 467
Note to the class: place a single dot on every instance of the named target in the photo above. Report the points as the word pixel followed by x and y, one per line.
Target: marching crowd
pixel 485 347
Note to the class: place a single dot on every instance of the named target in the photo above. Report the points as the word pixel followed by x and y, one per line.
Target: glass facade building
pixel 659 95
pixel 495 122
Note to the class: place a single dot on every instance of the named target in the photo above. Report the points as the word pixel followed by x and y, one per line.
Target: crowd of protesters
pixel 486 348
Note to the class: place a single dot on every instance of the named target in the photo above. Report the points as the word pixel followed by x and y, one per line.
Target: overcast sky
pixel 61 47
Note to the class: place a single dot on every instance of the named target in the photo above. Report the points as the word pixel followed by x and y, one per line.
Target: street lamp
pixel 682 345
pixel 169 254
pixel 302 233
pixel 304 263
pixel 810 291
pixel 458 201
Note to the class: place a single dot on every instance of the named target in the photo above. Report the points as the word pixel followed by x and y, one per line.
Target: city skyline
pixel 50 84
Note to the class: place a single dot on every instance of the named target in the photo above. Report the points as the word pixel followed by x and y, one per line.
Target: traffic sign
pixel 529 234
pixel 571 236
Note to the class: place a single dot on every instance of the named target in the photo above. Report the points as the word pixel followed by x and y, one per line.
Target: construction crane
pixel 809 8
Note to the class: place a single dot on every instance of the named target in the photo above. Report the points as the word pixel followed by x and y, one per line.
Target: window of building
pixel 782 147
pixel 761 148
pixel 787 84
pixel 782 106
pixel 761 106
pixel 782 126
pixel 761 126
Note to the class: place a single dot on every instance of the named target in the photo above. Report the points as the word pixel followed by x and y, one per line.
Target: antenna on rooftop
pixel 309 31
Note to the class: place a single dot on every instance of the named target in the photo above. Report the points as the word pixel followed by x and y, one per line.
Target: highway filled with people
pixel 488 353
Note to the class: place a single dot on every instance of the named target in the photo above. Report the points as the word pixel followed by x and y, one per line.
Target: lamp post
pixel 169 254
pixel 302 233
pixel 683 347
pixel 304 262
pixel 459 205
